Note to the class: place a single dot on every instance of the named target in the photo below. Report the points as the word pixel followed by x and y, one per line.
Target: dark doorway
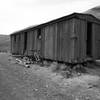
pixel 89 39
pixel 25 41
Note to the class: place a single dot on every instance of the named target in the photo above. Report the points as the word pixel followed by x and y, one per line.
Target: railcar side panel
pixel 96 48
pixel 80 41
pixel 65 41
pixel 29 43
pixel 58 44
pixel 48 42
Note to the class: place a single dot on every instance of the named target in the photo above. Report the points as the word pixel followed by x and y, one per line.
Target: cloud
pixel 51 2
pixel 18 14
pixel 56 2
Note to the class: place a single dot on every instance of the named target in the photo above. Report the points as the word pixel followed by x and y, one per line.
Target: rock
pixel 27 66
pixel 36 89
pixel 63 67
pixel 54 66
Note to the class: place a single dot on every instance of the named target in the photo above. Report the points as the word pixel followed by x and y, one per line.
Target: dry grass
pixel 72 84
pixel 80 87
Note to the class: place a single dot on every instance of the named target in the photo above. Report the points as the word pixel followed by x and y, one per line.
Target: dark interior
pixel 39 34
pixel 89 39
pixel 25 41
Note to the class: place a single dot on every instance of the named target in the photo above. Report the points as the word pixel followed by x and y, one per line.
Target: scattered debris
pixel 27 66
pixel 65 70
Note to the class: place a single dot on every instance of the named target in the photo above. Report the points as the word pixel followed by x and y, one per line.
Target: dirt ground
pixel 39 83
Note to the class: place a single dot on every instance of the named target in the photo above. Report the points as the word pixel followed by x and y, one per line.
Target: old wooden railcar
pixel 72 38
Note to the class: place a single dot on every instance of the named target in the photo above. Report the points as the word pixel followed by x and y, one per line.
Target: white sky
pixel 18 14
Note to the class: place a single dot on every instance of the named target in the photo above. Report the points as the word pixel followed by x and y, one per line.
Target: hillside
pixel 4 43
pixel 94 11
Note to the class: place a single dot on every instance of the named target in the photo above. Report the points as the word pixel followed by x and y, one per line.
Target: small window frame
pixel 39 35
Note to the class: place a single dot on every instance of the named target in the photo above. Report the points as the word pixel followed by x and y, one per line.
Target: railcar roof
pixel 87 17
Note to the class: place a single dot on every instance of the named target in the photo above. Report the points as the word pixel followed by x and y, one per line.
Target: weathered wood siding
pixel 22 43
pixel 33 42
pixel 49 42
pixel 65 44
pixel 80 39
pixel 96 47
pixel 30 39
pixel 15 41
pixel 61 40
pixel 19 44
pixel 12 44
pixel 58 44
pixel 43 42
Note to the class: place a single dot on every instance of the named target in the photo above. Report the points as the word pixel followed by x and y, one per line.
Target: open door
pixel 89 39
